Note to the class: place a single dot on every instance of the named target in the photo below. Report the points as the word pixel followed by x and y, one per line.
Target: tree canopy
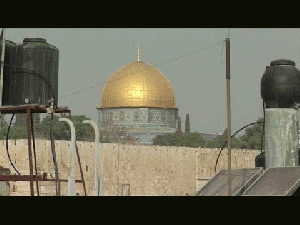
pixel 193 139
pixel 61 130
pixel 253 135
pixel 85 132
pixel 219 141
pixel 250 140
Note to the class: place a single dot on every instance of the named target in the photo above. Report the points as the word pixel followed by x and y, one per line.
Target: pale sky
pixel 89 56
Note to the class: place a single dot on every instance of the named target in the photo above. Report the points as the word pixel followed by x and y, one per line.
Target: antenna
pixel 138 53
pixel 228 110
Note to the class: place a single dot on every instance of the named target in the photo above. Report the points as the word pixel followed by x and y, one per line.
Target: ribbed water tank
pixel 35 68
pixel 280 84
pixel 41 57
pixel 8 72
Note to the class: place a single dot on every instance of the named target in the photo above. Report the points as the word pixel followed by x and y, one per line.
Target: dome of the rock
pixel 138 84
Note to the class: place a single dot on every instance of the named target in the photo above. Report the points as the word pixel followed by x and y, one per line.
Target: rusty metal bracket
pixel 29 109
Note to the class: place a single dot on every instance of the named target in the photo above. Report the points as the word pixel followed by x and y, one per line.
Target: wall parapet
pixel 144 170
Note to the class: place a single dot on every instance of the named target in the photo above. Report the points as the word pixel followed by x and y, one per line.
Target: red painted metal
pixel 29 109
pixel 27 178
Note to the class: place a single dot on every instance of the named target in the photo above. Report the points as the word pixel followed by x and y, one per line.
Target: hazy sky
pixel 88 57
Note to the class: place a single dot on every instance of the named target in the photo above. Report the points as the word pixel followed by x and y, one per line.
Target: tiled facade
pixel 145 123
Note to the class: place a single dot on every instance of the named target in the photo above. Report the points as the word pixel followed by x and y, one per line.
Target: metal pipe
pixel 281 132
pixel 228 110
pixel 28 122
pixel 34 154
pixel 71 180
pixel 96 147
pixel 80 169
pixel 27 178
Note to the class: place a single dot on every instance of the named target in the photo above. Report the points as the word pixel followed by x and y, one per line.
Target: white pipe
pixel 96 147
pixel 71 180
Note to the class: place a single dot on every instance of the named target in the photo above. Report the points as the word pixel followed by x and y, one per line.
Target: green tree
pixel 170 139
pixel 62 130
pixel 179 139
pixel 252 136
pixel 187 124
pixel 18 129
pixel 193 139
pixel 21 119
pixel 84 132
pixel 18 132
pixel 219 141
pixel 178 125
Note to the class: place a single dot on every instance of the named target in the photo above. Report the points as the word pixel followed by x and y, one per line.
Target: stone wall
pixel 140 170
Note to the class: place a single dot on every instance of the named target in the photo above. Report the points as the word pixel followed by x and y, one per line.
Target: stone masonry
pixel 138 170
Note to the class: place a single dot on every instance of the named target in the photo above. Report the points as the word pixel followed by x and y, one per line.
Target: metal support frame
pixel 28 178
pixel 28 123
pixel 29 109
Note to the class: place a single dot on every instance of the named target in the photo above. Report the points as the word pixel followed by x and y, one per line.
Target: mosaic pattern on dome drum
pixel 138 116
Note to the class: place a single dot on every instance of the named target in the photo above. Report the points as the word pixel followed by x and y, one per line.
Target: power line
pixel 159 64
pixel 189 54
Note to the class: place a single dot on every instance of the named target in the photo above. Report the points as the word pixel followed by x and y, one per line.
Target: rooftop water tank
pixel 34 78
pixel 280 84
pixel 9 59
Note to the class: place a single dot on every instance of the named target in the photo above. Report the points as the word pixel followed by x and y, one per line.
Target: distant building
pixel 209 136
pixel 139 98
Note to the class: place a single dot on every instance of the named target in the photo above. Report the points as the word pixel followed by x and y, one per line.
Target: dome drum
pixel 143 117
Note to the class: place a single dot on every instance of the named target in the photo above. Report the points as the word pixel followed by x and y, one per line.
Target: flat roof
pixel 278 181
pixel 241 180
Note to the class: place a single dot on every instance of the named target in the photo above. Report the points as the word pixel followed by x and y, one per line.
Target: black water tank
pixel 8 73
pixel 280 84
pixel 260 160
pixel 34 62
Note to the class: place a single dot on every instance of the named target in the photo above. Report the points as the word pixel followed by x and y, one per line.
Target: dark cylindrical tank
pixel 9 60
pixel 34 68
pixel 260 160
pixel 41 57
pixel 280 84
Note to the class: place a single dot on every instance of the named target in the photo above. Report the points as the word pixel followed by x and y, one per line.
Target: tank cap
pixel 34 40
pixel 279 62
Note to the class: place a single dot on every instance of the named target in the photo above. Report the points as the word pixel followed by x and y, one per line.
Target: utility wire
pixel 263 131
pixel 159 64
pixel 7 151
pixel 232 137
pixel 189 54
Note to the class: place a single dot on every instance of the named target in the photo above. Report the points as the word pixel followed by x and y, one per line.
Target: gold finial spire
pixel 138 53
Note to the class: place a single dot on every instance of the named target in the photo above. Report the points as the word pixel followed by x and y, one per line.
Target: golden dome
pixel 138 84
